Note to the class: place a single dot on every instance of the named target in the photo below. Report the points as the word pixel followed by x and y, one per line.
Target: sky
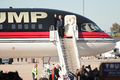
pixel 103 12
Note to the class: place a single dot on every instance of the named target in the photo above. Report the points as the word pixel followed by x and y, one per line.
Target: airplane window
pixel 96 27
pixel 82 27
pixel 51 27
pixel 13 26
pixel 26 26
pixel 85 28
pixel 19 26
pixel 89 27
pixel 40 26
pixel 1 26
pixel 32 26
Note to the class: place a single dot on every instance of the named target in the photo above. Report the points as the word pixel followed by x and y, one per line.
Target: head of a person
pixel 55 15
pixel 36 60
pixel 77 70
pixel 60 16
pixel 36 65
pixel 81 70
pixel 6 71
pixel 57 66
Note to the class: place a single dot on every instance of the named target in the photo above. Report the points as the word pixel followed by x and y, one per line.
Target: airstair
pixel 70 54
pixel 67 51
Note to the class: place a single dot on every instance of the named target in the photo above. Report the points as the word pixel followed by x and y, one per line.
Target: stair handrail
pixel 76 33
pixel 52 34
pixel 75 37
pixel 60 54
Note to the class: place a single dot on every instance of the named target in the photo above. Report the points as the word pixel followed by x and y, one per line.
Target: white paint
pixel 37 15
pixel 111 53
pixel 118 45
pixel 2 17
pixel 18 18
pixel 14 17
pixel 49 49
pixel 70 24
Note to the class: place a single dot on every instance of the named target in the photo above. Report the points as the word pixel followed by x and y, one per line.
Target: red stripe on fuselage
pixel 23 33
pixel 46 35
pixel 93 35
pixel 24 36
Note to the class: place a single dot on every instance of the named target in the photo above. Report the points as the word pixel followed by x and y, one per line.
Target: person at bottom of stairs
pixel 34 72
pixel 56 72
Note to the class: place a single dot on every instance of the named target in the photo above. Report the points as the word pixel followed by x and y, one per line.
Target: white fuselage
pixel 43 47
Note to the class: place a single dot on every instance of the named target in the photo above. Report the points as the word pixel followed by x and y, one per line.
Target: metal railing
pixel 53 34
pixel 61 55
pixel 75 37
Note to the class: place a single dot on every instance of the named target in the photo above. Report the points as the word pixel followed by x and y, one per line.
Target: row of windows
pixel 89 27
pixel 25 26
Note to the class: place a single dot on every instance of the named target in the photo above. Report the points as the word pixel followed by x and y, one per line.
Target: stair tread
pixel 68 50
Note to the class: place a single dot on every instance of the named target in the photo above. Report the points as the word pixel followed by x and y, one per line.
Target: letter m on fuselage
pixel 18 18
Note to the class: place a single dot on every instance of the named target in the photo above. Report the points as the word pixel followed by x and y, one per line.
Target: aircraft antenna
pixel 83 7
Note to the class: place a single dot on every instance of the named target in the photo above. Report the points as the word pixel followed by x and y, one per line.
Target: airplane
pixel 115 53
pixel 25 32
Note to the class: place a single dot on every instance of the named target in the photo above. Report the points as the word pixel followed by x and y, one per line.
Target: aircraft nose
pixel 109 45
pixel 105 46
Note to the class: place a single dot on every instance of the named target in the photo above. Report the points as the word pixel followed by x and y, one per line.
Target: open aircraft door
pixel 70 24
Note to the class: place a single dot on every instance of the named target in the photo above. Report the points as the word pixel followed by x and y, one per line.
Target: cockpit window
pixel 89 27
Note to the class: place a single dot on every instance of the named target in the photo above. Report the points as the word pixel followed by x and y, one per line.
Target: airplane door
pixel 70 24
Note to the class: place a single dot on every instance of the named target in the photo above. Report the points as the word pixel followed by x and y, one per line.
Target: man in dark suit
pixel 55 21
pixel 60 26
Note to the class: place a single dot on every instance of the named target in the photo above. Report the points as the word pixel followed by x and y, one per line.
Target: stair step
pixel 68 51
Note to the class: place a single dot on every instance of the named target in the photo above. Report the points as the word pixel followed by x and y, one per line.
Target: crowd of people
pixel 84 73
pixel 9 76
pixel 55 73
